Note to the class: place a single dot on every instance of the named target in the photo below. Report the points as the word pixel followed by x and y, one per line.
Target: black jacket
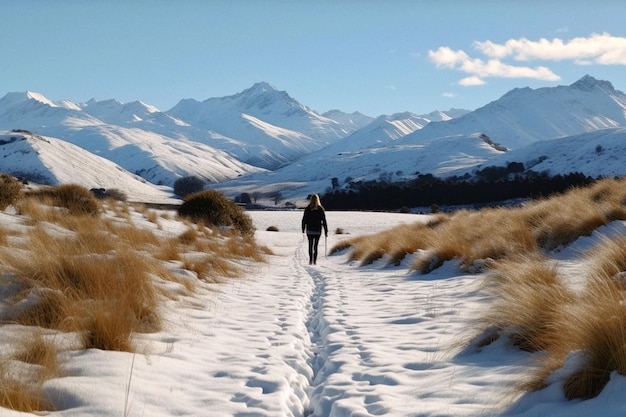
pixel 313 221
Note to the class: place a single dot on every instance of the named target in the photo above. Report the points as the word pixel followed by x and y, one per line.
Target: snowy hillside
pixel 52 161
pixel 262 101
pixel 272 128
pixel 381 131
pixel 233 140
pixel 158 158
pixel 391 162
pixel 351 122
pixel 523 115
pixel 595 154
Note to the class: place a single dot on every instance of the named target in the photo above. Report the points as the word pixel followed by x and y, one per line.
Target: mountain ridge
pixel 163 146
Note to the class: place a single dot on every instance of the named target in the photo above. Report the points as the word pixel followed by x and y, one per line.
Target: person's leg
pixel 315 243
pixel 311 244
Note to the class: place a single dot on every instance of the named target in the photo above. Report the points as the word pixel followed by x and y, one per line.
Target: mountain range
pixel 263 140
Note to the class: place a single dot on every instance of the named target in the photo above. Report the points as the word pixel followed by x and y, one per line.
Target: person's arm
pixel 304 221
pixel 324 222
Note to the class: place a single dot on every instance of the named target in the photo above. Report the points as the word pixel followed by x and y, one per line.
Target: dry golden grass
pixel 100 278
pixel 40 351
pixel 10 190
pixel 528 298
pixel 189 237
pixel 211 268
pixel 394 243
pixel 169 250
pixel 530 303
pixel 18 394
pixel 536 309
pixel 77 291
pixel 608 259
pixel 21 390
pixel 76 199
pixel 496 233
pixel 592 324
pixel 136 237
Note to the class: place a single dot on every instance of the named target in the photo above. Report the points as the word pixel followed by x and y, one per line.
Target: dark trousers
pixel 314 240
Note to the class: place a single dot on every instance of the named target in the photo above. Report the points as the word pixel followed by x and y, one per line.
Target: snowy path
pixel 332 340
pixel 337 340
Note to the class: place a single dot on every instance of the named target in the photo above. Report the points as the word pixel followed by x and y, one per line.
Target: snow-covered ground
pixel 336 339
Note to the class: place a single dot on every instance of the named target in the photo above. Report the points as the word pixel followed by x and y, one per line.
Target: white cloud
pixel 471 81
pixel 479 69
pixel 446 57
pixel 602 49
pixel 449 95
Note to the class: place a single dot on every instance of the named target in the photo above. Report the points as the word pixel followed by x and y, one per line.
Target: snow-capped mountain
pixel 385 129
pixel 264 102
pixel 595 154
pixel 351 122
pixel 399 147
pixel 266 127
pixel 158 158
pixel 523 115
pixel 53 161
pixel 392 162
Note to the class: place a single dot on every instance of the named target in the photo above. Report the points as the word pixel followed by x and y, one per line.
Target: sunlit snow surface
pixel 336 339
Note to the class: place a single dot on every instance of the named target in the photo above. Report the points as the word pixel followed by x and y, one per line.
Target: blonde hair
pixel 314 203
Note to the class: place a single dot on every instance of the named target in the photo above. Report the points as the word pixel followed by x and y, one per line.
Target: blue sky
pixel 376 57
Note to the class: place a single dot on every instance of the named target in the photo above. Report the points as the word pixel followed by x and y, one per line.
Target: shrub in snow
pixel 213 208
pixel 188 185
pixel 75 198
pixel 116 194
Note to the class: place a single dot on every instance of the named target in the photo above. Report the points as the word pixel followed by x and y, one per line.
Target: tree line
pixel 428 191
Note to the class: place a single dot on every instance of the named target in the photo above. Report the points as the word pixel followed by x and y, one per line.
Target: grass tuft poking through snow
pixel 579 330
pixel 496 233
pixel 84 269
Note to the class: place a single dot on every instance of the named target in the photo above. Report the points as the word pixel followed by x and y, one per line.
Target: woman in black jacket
pixel 313 220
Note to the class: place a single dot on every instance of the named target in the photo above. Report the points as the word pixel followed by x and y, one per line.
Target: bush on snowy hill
pixel 214 208
pixel 188 185
pixel 73 281
pixel 75 198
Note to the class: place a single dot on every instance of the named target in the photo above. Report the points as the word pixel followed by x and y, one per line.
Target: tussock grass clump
pixel 597 326
pixel 528 298
pixel 20 395
pixel 21 390
pixel 97 280
pixel 77 293
pixel 75 198
pixel 169 251
pixel 580 329
pixel 189 236
pixel 592 327
pixel 497 233
pixel 213 208
pixel 10 190
pixel 210 268
pixel 40 351
pixel 394 243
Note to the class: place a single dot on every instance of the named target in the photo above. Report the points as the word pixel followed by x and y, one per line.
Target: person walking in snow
pixel 313 221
